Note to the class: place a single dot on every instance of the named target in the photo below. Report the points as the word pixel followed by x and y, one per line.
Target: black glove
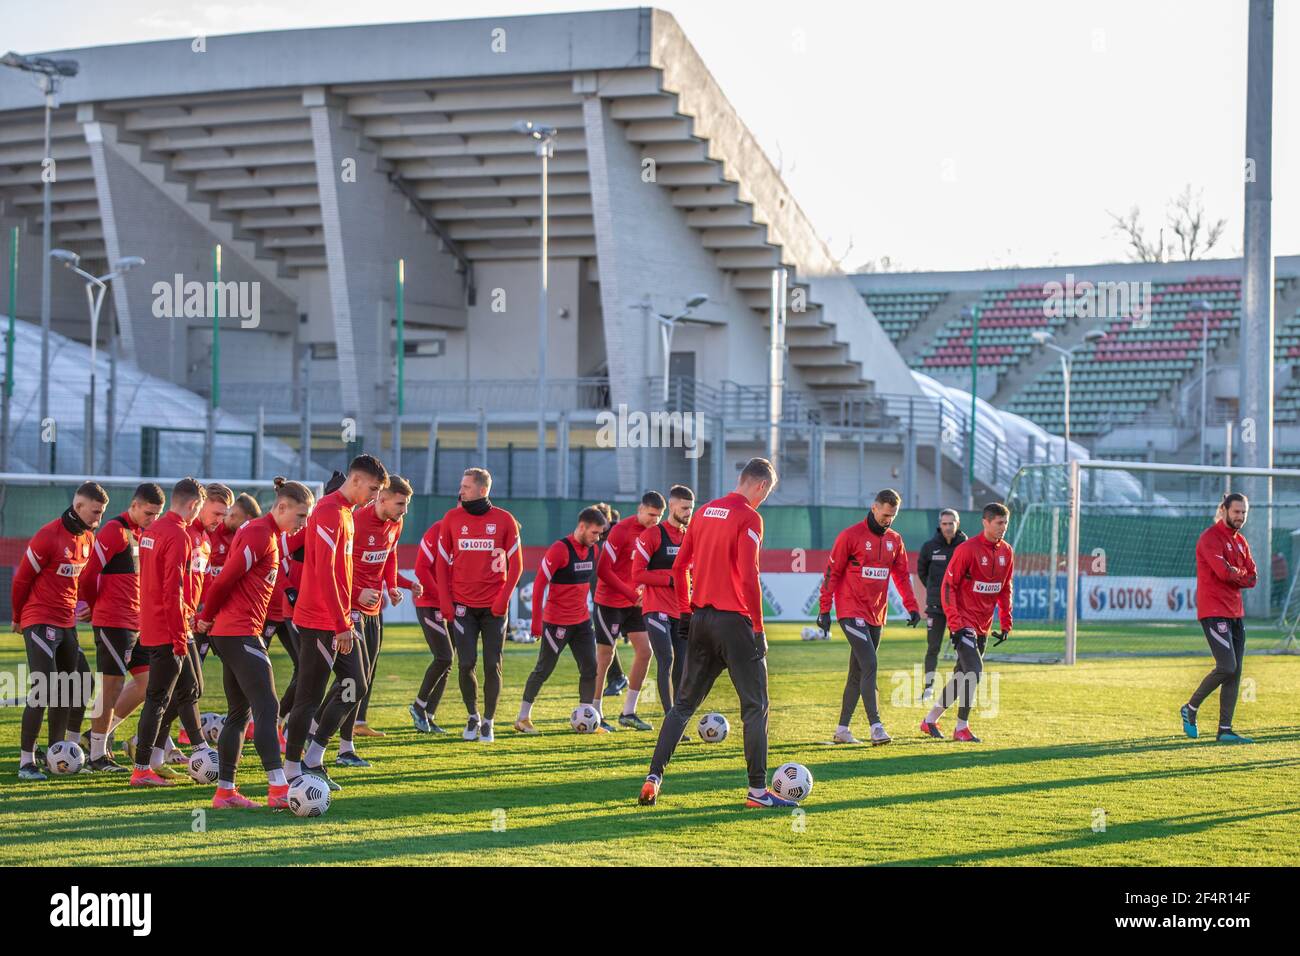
pixel 1000 636
pixel 291 595
pixel 824 622
pixel 914 619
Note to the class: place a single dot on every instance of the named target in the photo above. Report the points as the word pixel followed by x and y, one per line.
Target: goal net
pixel 1115 542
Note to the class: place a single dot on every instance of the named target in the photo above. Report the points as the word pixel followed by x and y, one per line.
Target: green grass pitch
pixel 1079 766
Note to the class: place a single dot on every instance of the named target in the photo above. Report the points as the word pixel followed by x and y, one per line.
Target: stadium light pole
pixel 96 286
pixel 1044 338
pixel 973 313
pixel 50 71
pixel 1205 371
pixel 9 348
pixel 544 138
pixel 668 324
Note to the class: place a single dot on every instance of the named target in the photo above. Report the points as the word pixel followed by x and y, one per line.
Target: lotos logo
pixel 374 557
pixel 716 512
pixel 476 544
pixel 987 587
pixel 1176 598
pixel 878 574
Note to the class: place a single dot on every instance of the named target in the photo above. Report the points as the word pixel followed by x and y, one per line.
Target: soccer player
pixel 931 565
pixel 865 556
pixel 560 615
pixel 377 527
pixel 280 615
pixel 166 607
pixel 326 641
pixel 1224 568
pixel 479 564
pixel 977 581
pixel 234 613
pixel 210 525
pixel 618 600
pixel 242 510
pixel 720 554
pixel 110 587
pixel 424 709
pixel 653 555
pixel 44 602
pixel 615 679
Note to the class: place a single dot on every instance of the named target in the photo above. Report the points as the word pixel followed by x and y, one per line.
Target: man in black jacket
pixel 931 564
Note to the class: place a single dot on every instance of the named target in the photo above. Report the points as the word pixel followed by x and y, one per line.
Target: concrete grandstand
pixel 318 158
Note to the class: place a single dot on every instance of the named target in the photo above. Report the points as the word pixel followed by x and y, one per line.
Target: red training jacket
pixel 653 556
pixel 563 584
pixel 426 560
pixel 1224 567
pixel 44 588
pixel 479 560
pixel 166 583
pixel 614 568
pixel 237 599
pixel 978 579
pixel 110 582
pixel 858 573
pixel 374 563
pixel 325 595
pixel 721 547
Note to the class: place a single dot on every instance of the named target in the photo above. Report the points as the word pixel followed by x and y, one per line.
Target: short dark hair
pixel 248 505
pixel 652 499
pixel 149 493
pixel 92 490
pixel 187 490
pixel 759 469
pixel 888 496
pixel 681 492
pixel 369 465
pixel 996 509
pixel 1232 497
pixel 592 515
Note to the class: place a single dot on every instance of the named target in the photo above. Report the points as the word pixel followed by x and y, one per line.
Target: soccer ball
pixel 713 728
pixel 793 781
pixel 211 725
pixel 65 757
pixel 585 719
pixel 309 796
pixel 204 765
pixel 811 633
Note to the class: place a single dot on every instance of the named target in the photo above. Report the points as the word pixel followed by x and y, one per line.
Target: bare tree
pixel 1185 219
pixel 1130 227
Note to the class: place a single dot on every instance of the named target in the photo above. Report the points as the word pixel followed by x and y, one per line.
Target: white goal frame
pixel 1072 538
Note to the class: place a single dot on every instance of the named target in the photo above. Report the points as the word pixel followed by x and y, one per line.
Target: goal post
pixel 1108 549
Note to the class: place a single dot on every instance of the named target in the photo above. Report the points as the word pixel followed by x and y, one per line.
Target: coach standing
pixel 720 554
pixel 1224 568
pixel 931 566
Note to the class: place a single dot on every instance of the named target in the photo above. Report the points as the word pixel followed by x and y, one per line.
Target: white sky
pixel 945 135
